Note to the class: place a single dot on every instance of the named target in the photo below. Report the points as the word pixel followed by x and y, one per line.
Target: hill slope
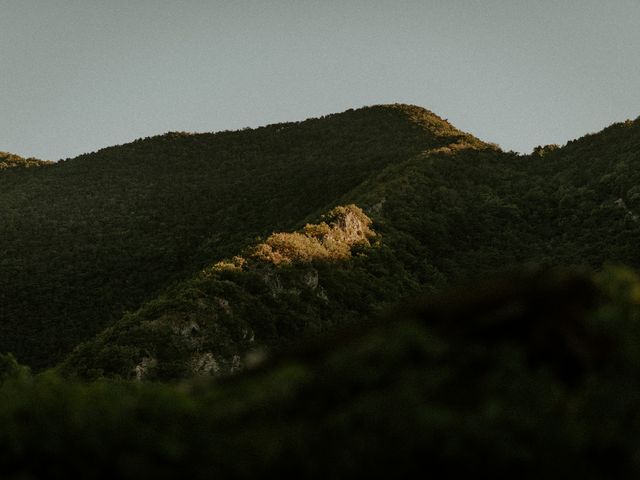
pixel 440 217
pixel 85 239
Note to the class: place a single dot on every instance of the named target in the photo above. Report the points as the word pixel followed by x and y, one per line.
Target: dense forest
pixel 375 282
pixel 440 217
pixel 86 239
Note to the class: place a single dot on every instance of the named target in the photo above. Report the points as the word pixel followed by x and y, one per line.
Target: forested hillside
pixel 440 217
pixel 85 239
pixel 366 293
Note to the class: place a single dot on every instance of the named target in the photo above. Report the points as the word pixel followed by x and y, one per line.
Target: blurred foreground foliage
pixel 533 374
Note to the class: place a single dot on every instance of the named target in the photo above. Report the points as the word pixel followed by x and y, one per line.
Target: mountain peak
pixel 429 122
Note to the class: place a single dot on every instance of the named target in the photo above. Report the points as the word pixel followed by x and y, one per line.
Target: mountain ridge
pixel 441 217
pixel 90 238
pixel 112 228
pixel 429 121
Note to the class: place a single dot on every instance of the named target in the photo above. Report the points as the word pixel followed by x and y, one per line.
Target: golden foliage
pixel 348 226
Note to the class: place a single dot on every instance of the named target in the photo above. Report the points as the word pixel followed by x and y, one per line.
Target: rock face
pixel 145 364
pixel 310 279
pixel 204 364
pixel 620 203
pixel 349 225
pixel 232 308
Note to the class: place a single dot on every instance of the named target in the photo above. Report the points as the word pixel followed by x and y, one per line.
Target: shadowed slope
pixel 278 291
pixel 443 216
pixel 85 239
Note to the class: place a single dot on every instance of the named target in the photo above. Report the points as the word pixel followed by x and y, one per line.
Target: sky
pixel 80 75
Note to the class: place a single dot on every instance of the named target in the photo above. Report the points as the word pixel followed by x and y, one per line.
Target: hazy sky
pixel 79 75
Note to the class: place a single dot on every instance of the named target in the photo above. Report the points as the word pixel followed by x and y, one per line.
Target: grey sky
pixel 79 75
